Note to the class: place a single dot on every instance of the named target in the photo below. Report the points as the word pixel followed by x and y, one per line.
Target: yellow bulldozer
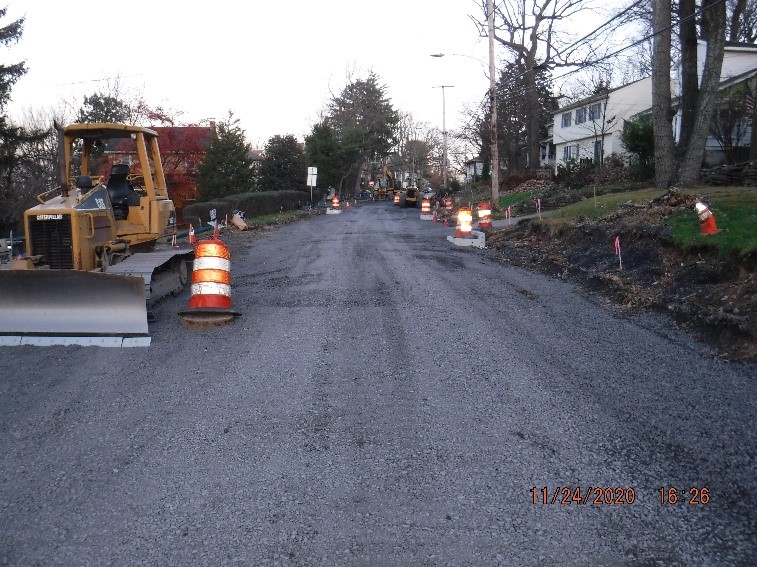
pixel 98 251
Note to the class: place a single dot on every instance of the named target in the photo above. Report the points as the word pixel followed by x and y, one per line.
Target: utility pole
pixel 493 105
pixel 444 133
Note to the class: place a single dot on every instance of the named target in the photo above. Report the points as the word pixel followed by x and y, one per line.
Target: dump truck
pixel 98 246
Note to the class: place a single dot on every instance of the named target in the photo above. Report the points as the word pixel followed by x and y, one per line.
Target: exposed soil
pixel 707 296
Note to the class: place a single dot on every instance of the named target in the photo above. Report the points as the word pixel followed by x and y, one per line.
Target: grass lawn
pixel 507 200
pixel 595 208
pixel 264 220
pixel 735 210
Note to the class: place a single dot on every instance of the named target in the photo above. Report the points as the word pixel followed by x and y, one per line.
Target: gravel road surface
pixel 386 398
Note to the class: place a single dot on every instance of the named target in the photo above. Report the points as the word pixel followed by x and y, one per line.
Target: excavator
pixel 98 251
pixel 386 185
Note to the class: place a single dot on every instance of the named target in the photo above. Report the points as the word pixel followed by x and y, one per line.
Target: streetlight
pixel 444 132
pixel 483 65
pixel 492 102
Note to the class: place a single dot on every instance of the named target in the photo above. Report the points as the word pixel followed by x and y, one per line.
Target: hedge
pixel 251 204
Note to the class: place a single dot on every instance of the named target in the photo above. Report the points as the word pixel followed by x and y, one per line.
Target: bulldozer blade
pixel 65 307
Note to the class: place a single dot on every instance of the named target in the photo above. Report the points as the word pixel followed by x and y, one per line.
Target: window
pixel 570 152
pixel 595 111
pixel 597 151
pixel 566 122
pixel 580 115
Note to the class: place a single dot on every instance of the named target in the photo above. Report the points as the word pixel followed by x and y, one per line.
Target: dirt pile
pixel 710 297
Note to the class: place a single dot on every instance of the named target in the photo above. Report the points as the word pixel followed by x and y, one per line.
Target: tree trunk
pixel 713 29
pixel 753 137
pixel 356 187
pixel 664 147
pixel 734 27
pixel 689 72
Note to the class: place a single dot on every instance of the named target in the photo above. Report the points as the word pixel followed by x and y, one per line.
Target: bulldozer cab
pixel 101 211
pixel 127 159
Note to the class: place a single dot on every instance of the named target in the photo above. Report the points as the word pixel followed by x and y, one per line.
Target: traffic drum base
pixel 207 318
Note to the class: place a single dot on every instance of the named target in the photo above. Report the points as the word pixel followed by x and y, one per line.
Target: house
pixel 547 152
pixel 474 169
pixel 739 69
pixel 590 129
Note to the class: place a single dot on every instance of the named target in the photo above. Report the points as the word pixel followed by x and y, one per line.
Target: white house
pixel 739 65
pixel 738 58
pixel 474 169
pixel 591 128
pixel 547 150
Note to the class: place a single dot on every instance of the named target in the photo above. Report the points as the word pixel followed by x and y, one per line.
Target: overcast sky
pixel 273 63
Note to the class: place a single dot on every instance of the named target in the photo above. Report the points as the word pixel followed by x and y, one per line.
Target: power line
pixel 607 23
pixel 97 80
pixel 613 54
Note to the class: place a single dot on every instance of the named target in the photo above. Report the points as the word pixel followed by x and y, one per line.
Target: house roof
pixel 740 44
pixel 735 80
pixel 675 101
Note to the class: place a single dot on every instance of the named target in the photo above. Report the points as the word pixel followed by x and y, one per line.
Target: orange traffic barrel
pixel 448 205
pixel 426 206
pixel 210 301
pixel 464 223
pixel 484 215
pixel 396 198
pixel 335 202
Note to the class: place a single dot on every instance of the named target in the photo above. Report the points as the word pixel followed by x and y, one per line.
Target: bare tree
pixel 474 134
pixel 713 28
pixel 687 37
pixel 742 20
pixel 698 94
pixel 537 35
pixel 730 120
pixel 662 113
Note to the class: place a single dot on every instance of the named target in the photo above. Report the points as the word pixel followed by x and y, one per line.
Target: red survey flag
pixel 617 245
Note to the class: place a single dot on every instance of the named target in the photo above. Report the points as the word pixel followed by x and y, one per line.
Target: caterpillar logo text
pixel 49 217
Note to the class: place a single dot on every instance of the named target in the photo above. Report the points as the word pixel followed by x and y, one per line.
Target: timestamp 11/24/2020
pixel 616 496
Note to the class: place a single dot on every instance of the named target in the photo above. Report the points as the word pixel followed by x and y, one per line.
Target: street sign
pixel 312 175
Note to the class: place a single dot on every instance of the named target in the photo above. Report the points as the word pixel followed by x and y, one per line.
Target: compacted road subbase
pixel 385 398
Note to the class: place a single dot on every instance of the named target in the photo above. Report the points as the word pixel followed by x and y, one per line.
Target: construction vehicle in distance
pixel 98 254
pixel 386 185
pixel 409 197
